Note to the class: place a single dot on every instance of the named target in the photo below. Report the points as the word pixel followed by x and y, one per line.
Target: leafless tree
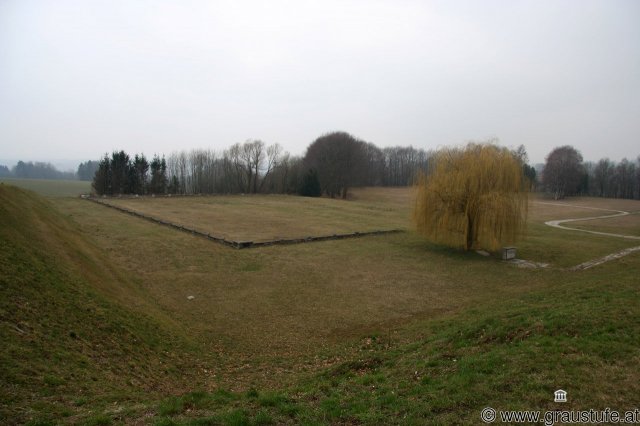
pixel 563 172
pixel 339 160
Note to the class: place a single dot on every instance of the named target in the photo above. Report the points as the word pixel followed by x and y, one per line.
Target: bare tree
pixel 273 156
pixel 374 168
pixel 255 156
pixel 339 160
pixel 625 174
pixel 563 172
pixel 403 165
pixel 602 174
pixel 285 175
pixel 239 158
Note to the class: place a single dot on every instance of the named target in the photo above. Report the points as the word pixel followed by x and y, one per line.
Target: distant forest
pixel 566 174
pixel 37 170
pixel 332 164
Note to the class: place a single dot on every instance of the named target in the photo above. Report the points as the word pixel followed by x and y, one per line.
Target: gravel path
pixel 557 223
pixel 607 258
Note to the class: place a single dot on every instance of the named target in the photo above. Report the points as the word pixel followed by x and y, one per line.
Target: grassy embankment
pixel 99 326
pixel 51 187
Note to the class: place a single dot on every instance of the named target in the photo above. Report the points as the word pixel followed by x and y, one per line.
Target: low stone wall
pixel 242 244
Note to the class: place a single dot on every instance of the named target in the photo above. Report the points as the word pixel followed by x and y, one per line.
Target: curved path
pixel 557 223
pixel 594 262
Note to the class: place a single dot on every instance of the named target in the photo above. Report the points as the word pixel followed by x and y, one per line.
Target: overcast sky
pixel 81 78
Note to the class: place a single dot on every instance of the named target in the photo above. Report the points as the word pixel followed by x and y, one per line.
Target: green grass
pixel 578 336
pixel 64 338
pixel 51 187
pixel 565 248
pixel 98 328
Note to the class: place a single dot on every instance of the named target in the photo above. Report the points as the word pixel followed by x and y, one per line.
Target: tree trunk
pixel 468 244
pixel 249 174
pixel 255 180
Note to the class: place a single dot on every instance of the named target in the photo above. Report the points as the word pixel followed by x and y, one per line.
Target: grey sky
pixel 81 78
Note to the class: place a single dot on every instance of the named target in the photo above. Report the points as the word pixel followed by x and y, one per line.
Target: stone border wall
pixel 242 244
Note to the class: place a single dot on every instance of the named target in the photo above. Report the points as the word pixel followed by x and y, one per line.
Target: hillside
pixel 68 347
pixel 97 328
pixel 51 187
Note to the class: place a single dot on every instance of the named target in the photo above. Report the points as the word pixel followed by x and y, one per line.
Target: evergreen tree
pixel 158 183
pixel 119 168
pixel 87 170
pixel 102 178
pixel 310 186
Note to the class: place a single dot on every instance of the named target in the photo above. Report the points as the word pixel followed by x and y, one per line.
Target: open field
pixel 150 325
pixel 270 217
pixel 51 187
pixel 596 202
pixel 566 248
pixel 628 225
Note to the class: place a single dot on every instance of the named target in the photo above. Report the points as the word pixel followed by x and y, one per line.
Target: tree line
pixel 566 174
pixel 122 174
pixel 333 163
pixel 44 170
pixel 35 170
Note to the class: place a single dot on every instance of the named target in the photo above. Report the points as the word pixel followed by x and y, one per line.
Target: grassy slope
pixel 88 343
pixel 580 336
pixel 51 187
pixel 68 348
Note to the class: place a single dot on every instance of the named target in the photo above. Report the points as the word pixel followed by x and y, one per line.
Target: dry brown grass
pixel 603 203
pixel 290 303
pixel 402 197
pixel 268 217
pixel 542 210
pixel 628 225
pixel 264 318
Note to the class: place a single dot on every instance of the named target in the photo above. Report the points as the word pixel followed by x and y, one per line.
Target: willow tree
pixel 472 197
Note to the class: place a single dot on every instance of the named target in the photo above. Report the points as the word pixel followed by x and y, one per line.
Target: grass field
pixel 628 225
pixel 262 218
pixel 51 187
pixel 121 320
